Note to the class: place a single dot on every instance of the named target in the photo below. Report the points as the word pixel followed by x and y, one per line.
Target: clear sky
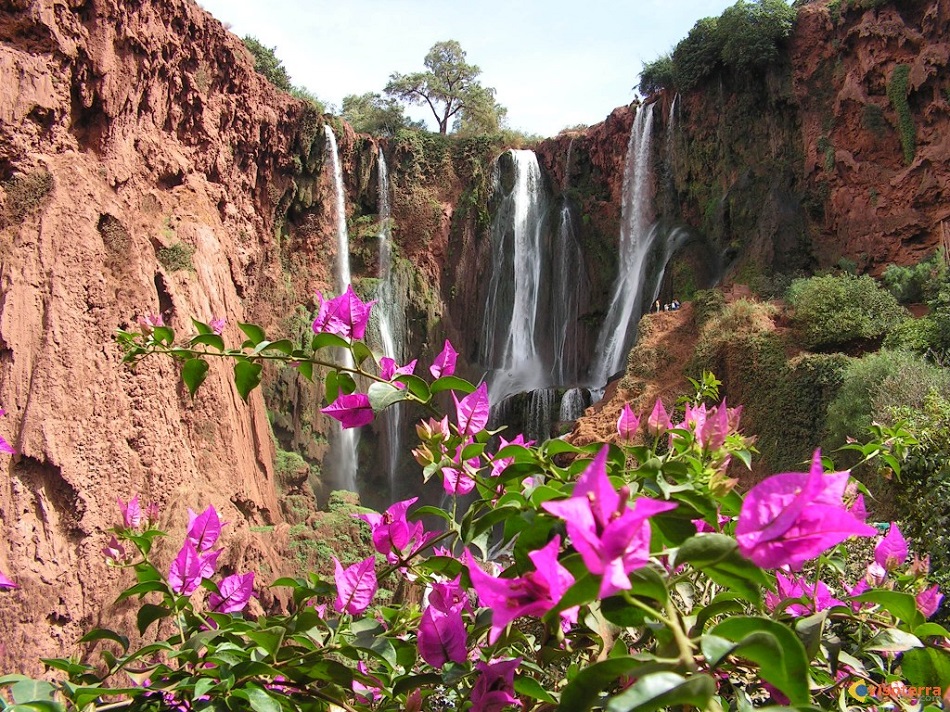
pixel 554 64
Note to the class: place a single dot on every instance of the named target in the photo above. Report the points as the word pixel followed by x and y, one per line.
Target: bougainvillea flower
pixel 442 636
pixel 131 512
pixel 217 324
pixel 366 694
pixel 928 600
pixel 891 551
pixel 345 315
pixel 495 687
pixel 388 370
pixel 352 410
pixel 627 423
pixel 204 529
pixel 611 538
pixel 791 517
pixel 533 594
pixel 114 551
pixel 471 412
pixel 6 584
pixel 659 421
pixel 860 587
pixel 5 447
pixel 235 592
pixel 448 595
pixel 150 321
pixel 716 426
pixel 859 509
pixel 392 533
pixel 444 364
pixel 355 585
pixel 189 567
pixel 875 574
pixel 499 464
pixel 818 597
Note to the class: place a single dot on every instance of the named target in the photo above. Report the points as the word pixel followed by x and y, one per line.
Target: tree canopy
pixel 377 115
pixel 451 89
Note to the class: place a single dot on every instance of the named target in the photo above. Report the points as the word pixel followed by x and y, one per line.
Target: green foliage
pixel 25 195
pixel 450 88
pixel 898 89
pixel 872 118
pixel 656 75
pixel 291 470
pixel 834 310
pixel 375 115
pixel 707 303
pixel 917 283
pixel 308 96
pixel 177 257
pixel 746 39
pixel 877 384
pixel 267 64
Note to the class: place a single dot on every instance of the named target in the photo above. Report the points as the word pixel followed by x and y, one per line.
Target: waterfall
pixel 389 318
pixel 509 339
pixel 637 236
pixel 344 441
pixel 573 404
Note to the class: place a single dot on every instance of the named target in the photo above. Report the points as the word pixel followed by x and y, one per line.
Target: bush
pixel 898 89
pixel 753 33
pixel 176 257
pixel 657 75
pixel 878 384
pixel 266 63
pixel 375 115
pixel 707 303
pixel 919 283
pixel 25 195
pixel 835 310
pixel 698 55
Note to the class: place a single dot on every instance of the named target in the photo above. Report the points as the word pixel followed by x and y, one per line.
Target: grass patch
pixel 177 257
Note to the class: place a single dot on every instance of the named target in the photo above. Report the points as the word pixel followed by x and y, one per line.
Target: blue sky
pixel 554 64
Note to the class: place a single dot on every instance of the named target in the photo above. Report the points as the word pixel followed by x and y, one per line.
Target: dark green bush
pixel 698 55
pixel 753 34
pixel 835 310
pixel 266 63
pixel 919 283
pixel 656 75
pixel 877 384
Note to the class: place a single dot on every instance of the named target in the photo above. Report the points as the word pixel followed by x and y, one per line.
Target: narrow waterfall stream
pixel 391 332
pixel 343 453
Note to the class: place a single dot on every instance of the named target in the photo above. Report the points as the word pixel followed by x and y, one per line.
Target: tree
pixel 752 33
pixel 373 114
pixel 450 88
pixel 266 63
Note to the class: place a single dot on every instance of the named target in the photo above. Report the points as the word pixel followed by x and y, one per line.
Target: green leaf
pixel 284 346
pixel 557 446
pixel 809 631
pixel 25 691
pixel 259 700
pixel 148 614
pixel 305 368
pixel 717 555
pixel 201 327
pixel 777 651
pixel 269 639
pixel 587 686
pixel 926 666
pixel 928 629
pixel 663 689
pixel 453 383
pixel 322 341
pixel 902 606
pixel 360 352
pixel 140 589
pixel 253 332
pixel 415 682
pixel 383 395
pixel 893 640
pixel 529 687
pixel 194 373
pixel 164 335
pixel 105 634
pixel 212 340
pixel 345 382
pixel 247 377
pixel 416 386
pixel 331 386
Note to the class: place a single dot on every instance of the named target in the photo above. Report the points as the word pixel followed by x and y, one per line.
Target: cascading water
pixel 389 318
pixel 637 237
pixel 344 443
pixel 569 300
pixel 509 340
pixel 573 403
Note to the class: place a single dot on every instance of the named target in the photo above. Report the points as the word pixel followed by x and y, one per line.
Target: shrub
pixel 177 257
pixel 698 55
pixel 898 89
pixel 832 311
pixel 376 115
pixel 753 33
pixel 266 63
pixel 656 75
pixel 707 303
pixel 25 195
pixel 877 384
pixel 918 283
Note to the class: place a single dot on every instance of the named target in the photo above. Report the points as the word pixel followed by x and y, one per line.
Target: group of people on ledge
pixel 672 306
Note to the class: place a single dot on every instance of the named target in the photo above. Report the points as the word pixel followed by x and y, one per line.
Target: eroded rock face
pixel 142 161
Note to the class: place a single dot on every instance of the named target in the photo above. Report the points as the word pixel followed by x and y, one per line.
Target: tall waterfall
pixel 389 319
pixel 344 441
pixel 637 236
pixel 509 339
